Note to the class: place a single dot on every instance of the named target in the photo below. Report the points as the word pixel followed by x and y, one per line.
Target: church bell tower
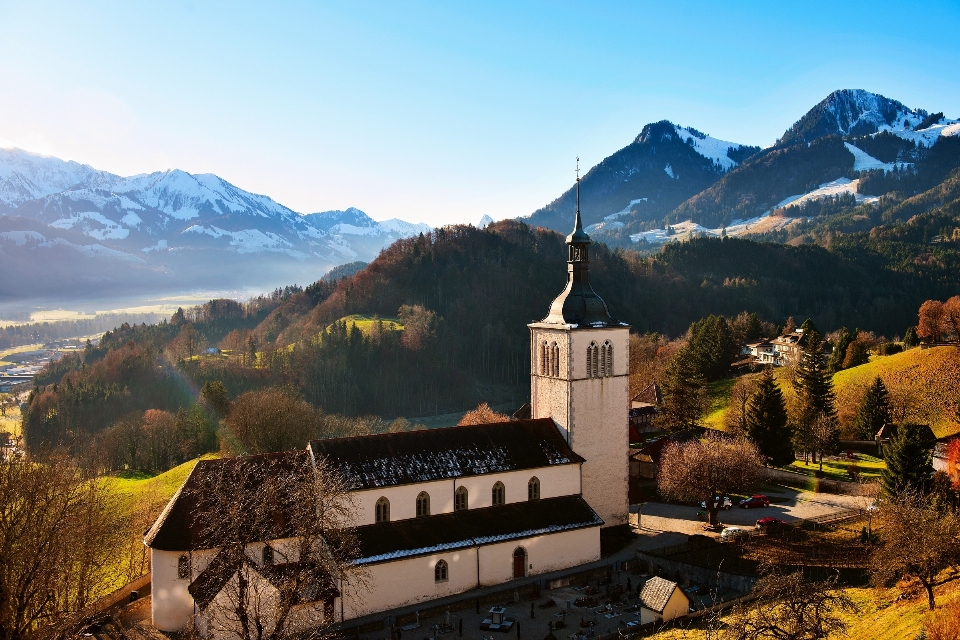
pixel 579 376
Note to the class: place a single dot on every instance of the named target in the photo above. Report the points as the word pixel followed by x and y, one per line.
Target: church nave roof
pixel 391 459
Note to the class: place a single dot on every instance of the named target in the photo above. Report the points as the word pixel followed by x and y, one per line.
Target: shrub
pixel 890 348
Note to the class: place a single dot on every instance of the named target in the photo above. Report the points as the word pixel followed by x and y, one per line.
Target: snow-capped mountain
pixel 662 167
pixel 187 224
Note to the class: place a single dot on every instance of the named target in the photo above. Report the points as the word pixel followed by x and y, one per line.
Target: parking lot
pixel 787 504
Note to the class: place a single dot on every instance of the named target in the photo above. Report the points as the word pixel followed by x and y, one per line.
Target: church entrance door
pixel 519 563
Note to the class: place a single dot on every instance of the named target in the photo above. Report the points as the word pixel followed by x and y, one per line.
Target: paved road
pixel 657 518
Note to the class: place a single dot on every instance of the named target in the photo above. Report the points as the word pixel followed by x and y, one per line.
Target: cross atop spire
pixel 578 236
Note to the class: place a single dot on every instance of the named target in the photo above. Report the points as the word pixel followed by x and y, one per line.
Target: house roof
pixel 392 459
pixel 656 593
pixel 387 541
pixel 651 394
pixel 189 521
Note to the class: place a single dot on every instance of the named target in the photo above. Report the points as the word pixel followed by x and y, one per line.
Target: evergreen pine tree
pixel 808 326
pixel 683 392
pixel 910 338
pixel 839 350
pixel 908 461
pixel 874 411
pixel 813 381
pixel 767 421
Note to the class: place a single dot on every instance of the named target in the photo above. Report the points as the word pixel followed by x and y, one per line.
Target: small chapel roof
pixel 656 593
pixel 390 459
pixel 387 541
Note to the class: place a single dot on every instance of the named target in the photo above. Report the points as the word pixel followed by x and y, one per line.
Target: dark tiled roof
pixel 391 540
pixel 651 395
pixel 211 580
pixel 189 519
pixel 656 593
pixel 421 456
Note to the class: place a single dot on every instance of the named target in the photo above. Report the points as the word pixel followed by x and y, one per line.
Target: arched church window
pixel 555 360
pixel 267 555
pixel 593 363
pixel 460 499
pixel 183 567
pixel 543 358
pixel 533 489
pixel 602 371
pixel 608 358
pixel 383 510
pixel 423 504
pixel 499 494
pixel 440 571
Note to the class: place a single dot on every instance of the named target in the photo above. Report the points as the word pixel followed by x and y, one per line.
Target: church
pixel 443 511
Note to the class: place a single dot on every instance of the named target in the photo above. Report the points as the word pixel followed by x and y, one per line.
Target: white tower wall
pixel 591 412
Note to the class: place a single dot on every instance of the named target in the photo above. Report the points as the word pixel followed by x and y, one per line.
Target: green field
pixel 135 489
pixel 366 323
pixel 869 467
pixel 925 383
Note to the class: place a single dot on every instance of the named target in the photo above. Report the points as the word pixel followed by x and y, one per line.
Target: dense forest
pixel 445 319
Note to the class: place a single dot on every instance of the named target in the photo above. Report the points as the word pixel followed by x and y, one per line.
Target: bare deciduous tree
pixel 735 418
pixel 787 607
pixel 57 536
pixel 701 470
pixel 916 540
pixel 302 515
pixel 273 419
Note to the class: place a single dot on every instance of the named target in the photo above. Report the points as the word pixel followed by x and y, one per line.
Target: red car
pixel 755 501
pixel 764 523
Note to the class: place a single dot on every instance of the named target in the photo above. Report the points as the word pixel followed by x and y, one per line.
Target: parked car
pixel 725 502
pixel 732 534
pixel 755 501
pixel 764 523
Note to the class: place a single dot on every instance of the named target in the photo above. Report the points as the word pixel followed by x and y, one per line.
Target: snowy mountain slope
pixel 185 223
pixel 852 112
pixel 662 167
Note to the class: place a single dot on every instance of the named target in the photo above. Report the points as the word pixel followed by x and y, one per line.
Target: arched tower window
pixel 543 358
pixel 183 567
pixel 423 504
pixel 533 489
pixel 383 510
pixel 499 494
pixel 607 358
pixel 593 361
pixel 440 571
pixel 555 360
pixel 267 555
pixel 460 499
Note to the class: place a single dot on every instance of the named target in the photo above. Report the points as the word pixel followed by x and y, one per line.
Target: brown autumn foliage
pixel 698 470
pixel 735 417
pixel 945 623
pixel 273 419
pixel 483 414
pixel 933 323
pixel 649 356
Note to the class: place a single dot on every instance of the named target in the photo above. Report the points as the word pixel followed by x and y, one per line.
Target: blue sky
pixel 439 112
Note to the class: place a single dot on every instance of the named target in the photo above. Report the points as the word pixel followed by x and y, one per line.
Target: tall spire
pixel 579 304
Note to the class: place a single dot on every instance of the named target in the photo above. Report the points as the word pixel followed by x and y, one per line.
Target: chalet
pixel 643 409
pixel 662 601
pixel 442 511
pixel 763 352
pixel 789 347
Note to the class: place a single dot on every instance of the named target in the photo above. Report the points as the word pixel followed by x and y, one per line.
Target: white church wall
pixel 545 553
pixel 171 603
pixel 403 500
pixel 404 582
pixel 559 480
pixel 555 481
pixel 549 395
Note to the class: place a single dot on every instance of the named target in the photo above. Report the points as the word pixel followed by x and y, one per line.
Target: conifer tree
pixel 808 326
pixel 813 381
pixel 874 411
pixel 908 458
pixel 683 392
pixel 767 421
pixel 814 387
pixel 840 350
